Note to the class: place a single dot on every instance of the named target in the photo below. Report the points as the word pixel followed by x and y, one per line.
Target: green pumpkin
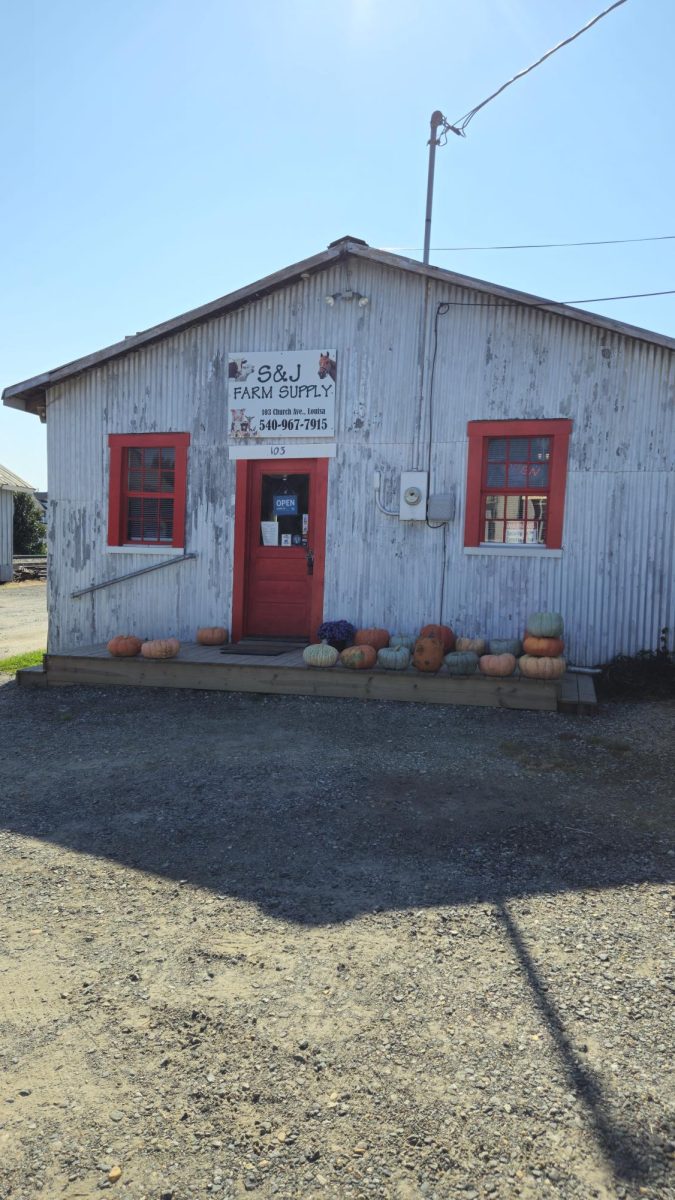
pixel 461 662
pixel 322 655
pixel 393 658
pixel 512 646
pixel 402 639
pixel 545 624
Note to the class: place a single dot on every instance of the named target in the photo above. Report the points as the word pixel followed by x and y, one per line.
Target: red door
pixel 279 548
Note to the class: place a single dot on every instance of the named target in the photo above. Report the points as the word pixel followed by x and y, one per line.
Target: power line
pixel 460 126
pixel 548 303
pixel 666 237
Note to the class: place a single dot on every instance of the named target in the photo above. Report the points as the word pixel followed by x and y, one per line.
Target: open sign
pixel 285 506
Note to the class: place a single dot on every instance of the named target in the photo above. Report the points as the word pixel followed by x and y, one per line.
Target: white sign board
pixel 280 450
pixel 287 393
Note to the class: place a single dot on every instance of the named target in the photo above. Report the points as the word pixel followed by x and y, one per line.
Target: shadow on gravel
pixel 320 811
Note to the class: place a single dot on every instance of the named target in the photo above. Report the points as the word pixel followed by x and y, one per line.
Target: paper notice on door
pixel 270 533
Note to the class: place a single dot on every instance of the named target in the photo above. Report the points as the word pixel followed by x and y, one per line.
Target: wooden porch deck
pixel 286 674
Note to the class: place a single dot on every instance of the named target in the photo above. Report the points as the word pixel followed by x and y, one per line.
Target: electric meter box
pixel 414 491
pixel 442 507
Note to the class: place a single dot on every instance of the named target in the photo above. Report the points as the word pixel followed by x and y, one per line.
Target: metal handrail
pixel 167 562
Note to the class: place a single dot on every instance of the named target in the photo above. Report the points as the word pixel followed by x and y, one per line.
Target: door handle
pixel 310 562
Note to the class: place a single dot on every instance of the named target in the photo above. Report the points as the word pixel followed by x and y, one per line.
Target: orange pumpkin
pixel 536 667
pixel 478 645
pixel 212 635
pixel 124 646
pixel 444 634
pixel 497 664
pixel 377 638
pixel 161 648
pixel 543 646
pixel 428 654
pixel 359 658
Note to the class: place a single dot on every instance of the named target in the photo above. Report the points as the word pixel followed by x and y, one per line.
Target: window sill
pixel 513 551
pixel 167 551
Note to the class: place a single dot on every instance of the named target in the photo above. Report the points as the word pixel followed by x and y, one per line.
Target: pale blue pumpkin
pixel 506 646
pixel 393 658
pixel 321 655
pixel 461 662
pixel 545 624
pixel 402 639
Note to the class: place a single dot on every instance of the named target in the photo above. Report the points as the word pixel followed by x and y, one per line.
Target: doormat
pixel 264 649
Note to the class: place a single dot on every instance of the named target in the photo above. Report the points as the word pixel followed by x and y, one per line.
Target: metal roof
pixel 30 395
pixel 9 482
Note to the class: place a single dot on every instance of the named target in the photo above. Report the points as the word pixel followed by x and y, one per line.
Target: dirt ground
pixel 23 618
pixel 311 948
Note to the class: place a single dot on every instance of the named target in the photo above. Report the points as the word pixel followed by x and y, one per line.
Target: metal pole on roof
pixel 437 121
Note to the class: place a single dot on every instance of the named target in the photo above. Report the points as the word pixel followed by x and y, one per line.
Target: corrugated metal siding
pixel 6 534
pixel 614 581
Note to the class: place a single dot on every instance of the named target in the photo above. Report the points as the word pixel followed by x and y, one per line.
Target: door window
pixel 284 510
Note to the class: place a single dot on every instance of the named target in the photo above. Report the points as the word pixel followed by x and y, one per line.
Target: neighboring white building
pixel 543 435
pixel 9 485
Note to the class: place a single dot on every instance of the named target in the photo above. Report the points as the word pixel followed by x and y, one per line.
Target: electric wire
pixel 460 126
pixel 548 303
pixel 665 237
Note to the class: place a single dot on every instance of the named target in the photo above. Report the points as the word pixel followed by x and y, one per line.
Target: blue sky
pixel 158 154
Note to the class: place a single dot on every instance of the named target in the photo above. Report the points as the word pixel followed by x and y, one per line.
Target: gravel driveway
pixel 311 948
pixel 23 618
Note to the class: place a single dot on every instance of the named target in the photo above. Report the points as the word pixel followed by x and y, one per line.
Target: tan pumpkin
pixel 377 638
pixel 124 646
pixel 497 664
pixel 444 634
pixel 478 645
pixel 161 648
pixel 212 635
pixel 428 654
pixel 545 647
pixel 359 658
pixel 536 667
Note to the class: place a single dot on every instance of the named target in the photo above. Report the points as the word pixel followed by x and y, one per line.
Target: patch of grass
pixel 32 658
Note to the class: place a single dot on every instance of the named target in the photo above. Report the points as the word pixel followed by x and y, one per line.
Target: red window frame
pixel 119 444
pixel 558 430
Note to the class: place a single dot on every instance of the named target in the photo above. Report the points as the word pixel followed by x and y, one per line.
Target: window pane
pixel 536 520
pixel 538 475
pixel 518 474
pixel 540 449
pixel 496 474
pixel 514 508
pixel 150 480
pixel 166 520
pixel 494 508
pixel 493 531
pixel 515 533
pixel 519 449
pixel 150 520
pixel 135 458
pixel 166 480
pixel 135 479
pixel 134 514
pixel 168 456
pixel 151 457
pixel 496 449
pixel 284 502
